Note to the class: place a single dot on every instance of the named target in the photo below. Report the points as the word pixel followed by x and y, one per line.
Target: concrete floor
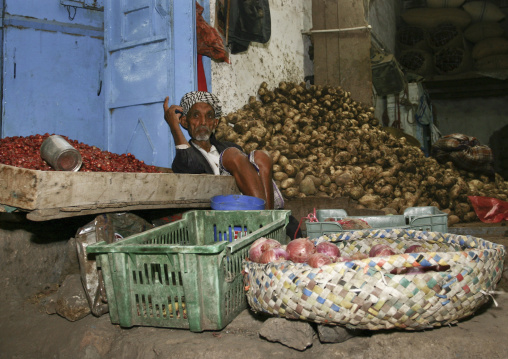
pixel 26 331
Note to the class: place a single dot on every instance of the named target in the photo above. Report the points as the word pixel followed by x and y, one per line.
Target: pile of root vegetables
pixel 324 143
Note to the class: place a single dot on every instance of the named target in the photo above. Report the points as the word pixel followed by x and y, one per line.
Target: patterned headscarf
pixel 191 98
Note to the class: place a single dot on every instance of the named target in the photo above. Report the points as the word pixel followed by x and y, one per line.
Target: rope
pixel 490 294
pixel 311 217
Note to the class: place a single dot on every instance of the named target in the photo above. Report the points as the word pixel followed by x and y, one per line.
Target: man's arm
pixel 173 120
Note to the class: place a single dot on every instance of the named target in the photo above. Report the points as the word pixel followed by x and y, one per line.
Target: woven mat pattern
pixel 363 294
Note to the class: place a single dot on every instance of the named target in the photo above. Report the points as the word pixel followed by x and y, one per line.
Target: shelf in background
pixel 467 85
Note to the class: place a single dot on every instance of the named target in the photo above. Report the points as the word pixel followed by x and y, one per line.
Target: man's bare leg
pixel 247 178
pixel 265 165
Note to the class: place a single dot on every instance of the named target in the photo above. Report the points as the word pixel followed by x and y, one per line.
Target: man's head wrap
pixel 191 98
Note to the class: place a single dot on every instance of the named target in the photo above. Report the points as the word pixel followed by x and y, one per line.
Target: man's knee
pixel 263 159
pixel 233 158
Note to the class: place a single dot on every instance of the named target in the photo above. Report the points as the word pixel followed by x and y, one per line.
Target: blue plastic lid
pixel 237 202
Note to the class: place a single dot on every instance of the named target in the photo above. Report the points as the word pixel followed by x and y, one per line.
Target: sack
pixel 488 209
pixel 464 152
pixel 429 18
pixel 109 228
pixel 490 46
pixel 209 41
pixel 445 35
pixel 494 62
pixel 483 11
pixel 483 30
pixel 417 61
pixel 412 37
pixel 452 60
pixel 444 3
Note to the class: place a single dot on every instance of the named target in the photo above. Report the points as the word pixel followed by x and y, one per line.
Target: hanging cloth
pixel 201 75
pixel 249 20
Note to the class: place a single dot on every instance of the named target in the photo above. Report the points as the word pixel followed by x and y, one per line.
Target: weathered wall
pixel 280 59
pixel 285 56
pixel 383 16
pixel 35 254
pixel 478 117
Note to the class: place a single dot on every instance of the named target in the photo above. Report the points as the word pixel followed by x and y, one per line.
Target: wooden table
pixel 46 195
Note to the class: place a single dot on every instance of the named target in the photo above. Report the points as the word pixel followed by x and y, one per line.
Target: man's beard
pixel 203 136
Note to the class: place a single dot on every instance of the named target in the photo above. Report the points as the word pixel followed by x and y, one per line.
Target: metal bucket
pixel 60 154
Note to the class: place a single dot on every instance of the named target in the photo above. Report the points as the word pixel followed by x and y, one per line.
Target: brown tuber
pixel 307 186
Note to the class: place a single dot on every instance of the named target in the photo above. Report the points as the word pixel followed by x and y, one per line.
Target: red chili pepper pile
pixel 25 152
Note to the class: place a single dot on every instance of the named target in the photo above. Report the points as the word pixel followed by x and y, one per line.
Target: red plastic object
pixel 489 210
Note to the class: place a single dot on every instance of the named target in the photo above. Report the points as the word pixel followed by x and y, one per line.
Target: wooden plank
pixel 467 86
pixel 18 186
pixel 333 58
pixel 66 212
pixel 319 41
pixel 354 52
pixel 39 190
pixel 342 58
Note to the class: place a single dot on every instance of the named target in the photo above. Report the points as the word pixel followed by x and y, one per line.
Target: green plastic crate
pixel 185 274
pixel 427 218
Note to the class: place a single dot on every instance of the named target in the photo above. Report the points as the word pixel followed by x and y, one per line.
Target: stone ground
pixel 26 331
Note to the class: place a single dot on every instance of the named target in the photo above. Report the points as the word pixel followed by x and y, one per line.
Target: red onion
pixel 274 255
pixel 381 250
pixel 359 255
pixel 415 270
pixel 260 246
pixel 269 244
pixel 300 249
pixel 317 260
pixel 353 223
pixel 398 271
pixel 438 268
pixel 255 250
pixel 344 259
pixel 404 270
pixel 415 248
pixel 329 249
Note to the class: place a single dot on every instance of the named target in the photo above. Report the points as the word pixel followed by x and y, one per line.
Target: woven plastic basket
pixel 363 294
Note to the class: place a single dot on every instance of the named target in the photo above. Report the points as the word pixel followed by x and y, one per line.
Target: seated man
pixel 199 114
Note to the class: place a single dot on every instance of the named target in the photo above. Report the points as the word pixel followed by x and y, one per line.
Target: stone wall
pixel 35 254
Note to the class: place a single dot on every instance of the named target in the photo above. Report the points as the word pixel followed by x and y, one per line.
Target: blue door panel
pixel 53 10
pixel 151 54
pixel 128 22
pixel 52 83
pixel 139 130
pixel 137 25
pixel 132 81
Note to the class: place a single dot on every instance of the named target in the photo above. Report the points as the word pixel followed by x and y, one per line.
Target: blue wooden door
pixel 150 54
pixel 53 63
